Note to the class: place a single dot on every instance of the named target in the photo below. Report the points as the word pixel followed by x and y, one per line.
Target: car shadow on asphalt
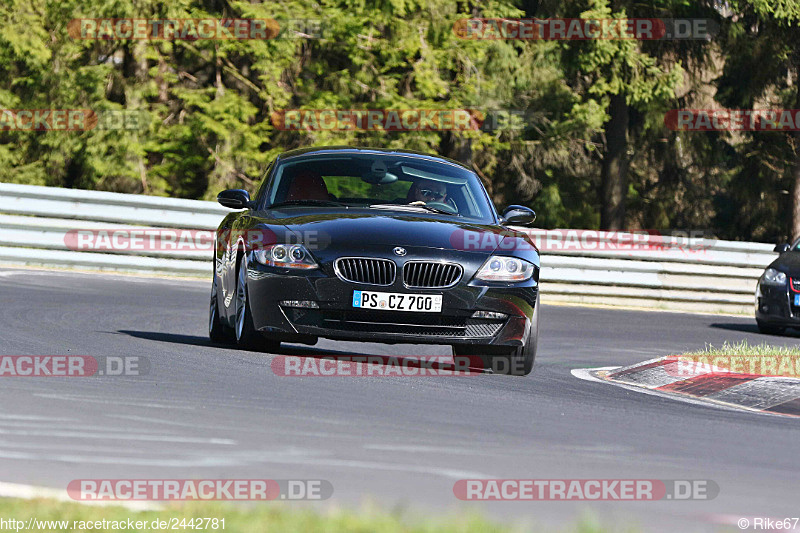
pixel 197 340
pixel 751 328
pixel 174 338
pixel 404 361
pixel 736 326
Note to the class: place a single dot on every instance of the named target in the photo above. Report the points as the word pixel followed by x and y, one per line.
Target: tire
pixel 218 332
pixel 474 353
pixel 514 361
pixel 247 337
pixel 769 330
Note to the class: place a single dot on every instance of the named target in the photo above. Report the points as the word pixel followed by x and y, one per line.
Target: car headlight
pixel 285 256
pixel 773 277
pixel 501 268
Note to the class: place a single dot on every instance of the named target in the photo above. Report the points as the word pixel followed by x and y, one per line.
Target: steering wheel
pixel 444 206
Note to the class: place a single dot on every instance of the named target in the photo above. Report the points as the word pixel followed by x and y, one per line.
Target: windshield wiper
pixel 417 206
pixel 330 203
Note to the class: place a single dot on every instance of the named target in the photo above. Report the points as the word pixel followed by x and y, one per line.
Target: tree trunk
pixel 614 171
pixel 456 148
pixel 795 229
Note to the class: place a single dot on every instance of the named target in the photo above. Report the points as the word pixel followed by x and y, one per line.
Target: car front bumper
pixel 335 317
pixel 775 306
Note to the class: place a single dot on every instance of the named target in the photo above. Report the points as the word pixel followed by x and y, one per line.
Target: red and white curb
pixel 711 385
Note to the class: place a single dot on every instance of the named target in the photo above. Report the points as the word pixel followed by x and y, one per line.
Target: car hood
pixel 355 229
pixel 789 263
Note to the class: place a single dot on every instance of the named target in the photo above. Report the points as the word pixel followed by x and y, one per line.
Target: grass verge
pixel 744 348
pixel 52 515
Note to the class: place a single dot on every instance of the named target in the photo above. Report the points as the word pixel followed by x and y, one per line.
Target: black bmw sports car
pixel 376 245
pixel 778 292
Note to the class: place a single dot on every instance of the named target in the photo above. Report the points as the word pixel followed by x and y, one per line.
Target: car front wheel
pixel 217 331
pixel 247 337
pixel 769 330
pixel 515 361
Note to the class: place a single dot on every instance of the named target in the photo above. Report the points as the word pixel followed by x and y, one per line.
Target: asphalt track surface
pixel 206 411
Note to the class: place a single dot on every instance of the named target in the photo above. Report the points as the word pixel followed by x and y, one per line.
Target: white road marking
pixel 394 467
pixel 218 428
pixel 56 427
pixel 201 459
pixel 115 436
pixel 303 457
pixel 40 418
pixel 205 461
pixel 133 277
pixel 80 447
pixel 411 448
pixel 115 402
pixel 159 421
pixel 31 492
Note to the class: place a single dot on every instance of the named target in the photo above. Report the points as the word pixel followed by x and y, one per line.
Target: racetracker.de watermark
pixel 585 489
pixel 398 120
pixel 558 240
pixel 199 489
pixel 190 29
pixel 376 366
pixel 73 366
pixel 134 240
pixel 575 29
pixel 184 29
pixel 71 120
pixel 753 365
pixel 733 119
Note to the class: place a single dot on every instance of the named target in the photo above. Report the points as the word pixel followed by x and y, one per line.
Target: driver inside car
pixel 427 191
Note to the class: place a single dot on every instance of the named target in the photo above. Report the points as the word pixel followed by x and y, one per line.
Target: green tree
pixel 762 69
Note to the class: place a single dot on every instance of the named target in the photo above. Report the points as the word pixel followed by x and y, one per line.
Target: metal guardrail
pixel 707 275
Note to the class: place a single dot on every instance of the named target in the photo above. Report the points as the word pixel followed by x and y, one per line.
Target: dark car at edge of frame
pixel 777 304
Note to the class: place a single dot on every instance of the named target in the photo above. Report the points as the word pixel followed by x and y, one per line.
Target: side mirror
pixel 518 215
pixel 234 198
pixel 781 248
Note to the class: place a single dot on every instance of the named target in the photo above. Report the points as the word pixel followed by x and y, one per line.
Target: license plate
pixel 392 301
pixel 797 299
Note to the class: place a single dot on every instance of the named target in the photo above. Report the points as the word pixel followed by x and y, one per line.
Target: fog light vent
pixel 304 304
pixel 491 315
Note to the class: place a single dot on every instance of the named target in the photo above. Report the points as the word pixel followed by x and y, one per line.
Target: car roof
pixel 327 150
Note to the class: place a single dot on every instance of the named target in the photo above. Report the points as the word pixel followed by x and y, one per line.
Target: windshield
pixel 379 181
